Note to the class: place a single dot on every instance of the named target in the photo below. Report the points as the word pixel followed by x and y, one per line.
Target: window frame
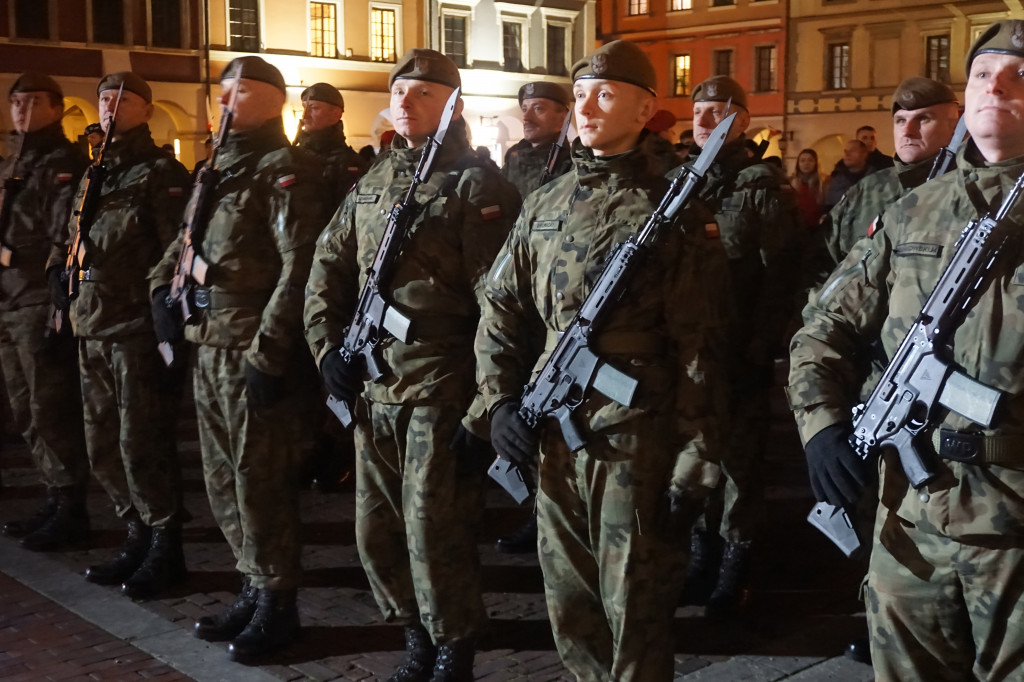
pixel 928 38
pixel 259 27
pixel 183 26
pixel 91 25
pixel 830 65
pixel 643 8
pixel 339 46
pixel 50 19
pixel 773 69
pixel 387 7
pixel 457 12
pixel 715 52
pixel 688 89
pixel 673 8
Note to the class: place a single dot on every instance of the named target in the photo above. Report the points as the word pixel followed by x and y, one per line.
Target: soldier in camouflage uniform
pixel 129 410
pixel 420 434
pixel 757 224
pixel 613 516
pixel 323 133
pixel 943 588
pixel 258 243
pixel 924 117
pixel 40 368
pixel 545 106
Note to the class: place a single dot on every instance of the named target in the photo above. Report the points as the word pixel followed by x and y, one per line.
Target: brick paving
pixel 802 611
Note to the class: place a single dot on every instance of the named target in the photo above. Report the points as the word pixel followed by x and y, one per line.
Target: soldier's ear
pixel 648 108
pixel 459 106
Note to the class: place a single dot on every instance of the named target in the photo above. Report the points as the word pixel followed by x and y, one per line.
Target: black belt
pixel 205 297
pixel 973 447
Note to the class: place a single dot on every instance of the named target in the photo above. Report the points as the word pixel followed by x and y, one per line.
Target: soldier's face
pixel 318 115
pixel 610 114
pixel 416 108
pixel 994 105
pixel 133 111
pixel 31 111
pixel 920 133
pixel 707 115
pixel 542 119
pixel 254 102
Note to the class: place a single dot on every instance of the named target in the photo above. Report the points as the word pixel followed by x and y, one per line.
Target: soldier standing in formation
pixel 40 368
pixel 129 410
pixel 420 433
pixel 924 115
pixel 258 243
pixel 545 106
pixel 323 133
pixel 943 582
pixel 612 563
pixel 760 238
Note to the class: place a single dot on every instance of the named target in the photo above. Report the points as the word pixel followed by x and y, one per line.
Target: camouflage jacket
pixel 342 165
pixel 46 173
pixel 269 208
pixel 437 281
pixel 544 273
pixel 849 220
pixel 524 165
pixel 877 292
pixel 139 212
pixel 759 232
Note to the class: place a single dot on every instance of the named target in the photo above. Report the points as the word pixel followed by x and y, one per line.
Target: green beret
pixel 254 69
pixel 94 128
pixel 323 92
pixel 547 90
pixel 31 81
pixel 720 89
pixel 133 82
pixel 618 60
pixel 422 64
pixel 918 92
pixel 1003 37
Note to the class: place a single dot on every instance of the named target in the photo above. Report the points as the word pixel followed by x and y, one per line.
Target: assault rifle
pixel 556 149
pixel 191 268
pixel 920 379
pixel 12 186
pixel 947 155
pixel 573 367
pixel 375 318
pixel 85 214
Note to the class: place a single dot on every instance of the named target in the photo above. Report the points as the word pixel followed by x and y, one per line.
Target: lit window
pixel 837 76
pixel 637 7
pixel 323 29
pixel 765 66
pixel 681 75
pixel 937 60
pixel 383 46
pixel 678 5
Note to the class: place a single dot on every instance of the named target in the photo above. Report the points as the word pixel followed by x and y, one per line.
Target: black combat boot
pixel 67 527
pixel 522 540
pixel 163 566
pixel 274 626
pixel 128 558
pixel 702 571
pixel 19 528
pixel 454 661
pixel 420 657
pixel 229 623
pixel 733 589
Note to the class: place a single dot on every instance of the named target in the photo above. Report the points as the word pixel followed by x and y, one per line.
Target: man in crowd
pixel 924 116
pixel 613 515
pixel 323 133
pixel 40 368
pixel 756 220
pixel 128 393
pixel 848 171
pixel 946 559
pixel 545 106
pixel 258 244
pixel 420 435
pixel 876 159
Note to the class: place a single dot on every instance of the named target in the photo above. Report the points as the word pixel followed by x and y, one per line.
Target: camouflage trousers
pixel 611 579
pixel 418 509
pixel 129 427
pixel 45 395
pixel 945 605
pixel 251 465
pixel 736 506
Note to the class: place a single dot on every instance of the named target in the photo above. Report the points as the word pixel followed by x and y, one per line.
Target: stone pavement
pixel 54 625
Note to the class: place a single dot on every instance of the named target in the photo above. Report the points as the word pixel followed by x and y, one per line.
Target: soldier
pixel 40 368
pixel 757 223
pixel 323 133
pixel 924 115
pixel 420 435
pixel 545 106
pixel 258 243
pixel 94 138
pixel 611 516
pixel 943 582
pixel 129 410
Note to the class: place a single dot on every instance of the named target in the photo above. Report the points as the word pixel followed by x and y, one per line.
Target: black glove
pixel 343 381
pixel 166 321
pixel 58 288
pixel 263 389
pixel 676 513
pixel 475 452
pixel 511 436
pixel 838 475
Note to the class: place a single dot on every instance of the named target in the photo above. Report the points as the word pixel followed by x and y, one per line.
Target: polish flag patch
pixel 64 177
pixel 286 181
pixel 711 231
pixel 873 227
pixel 490 212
